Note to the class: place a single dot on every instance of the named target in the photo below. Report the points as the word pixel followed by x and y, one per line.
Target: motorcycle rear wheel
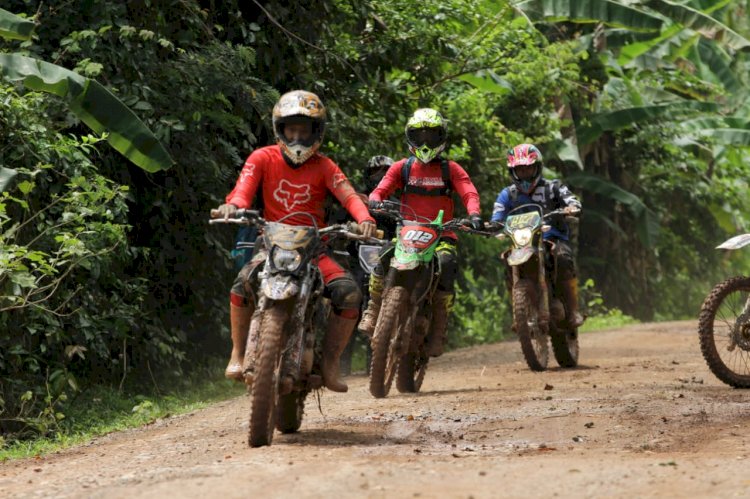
pixel 290 410
pixel 386 339
pixel 534 344
pixel 565 346
pixel 411 371
pixel 265 392
pixel 724 331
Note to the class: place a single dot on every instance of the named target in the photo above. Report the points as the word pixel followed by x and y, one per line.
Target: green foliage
pixel 104 409
pixel 114 272
pixel 67 306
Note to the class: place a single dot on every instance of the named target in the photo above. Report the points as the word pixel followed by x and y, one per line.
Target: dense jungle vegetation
pixel 109 273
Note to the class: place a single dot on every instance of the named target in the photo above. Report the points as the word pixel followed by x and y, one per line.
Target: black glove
pixel 476 222
pixel 376 205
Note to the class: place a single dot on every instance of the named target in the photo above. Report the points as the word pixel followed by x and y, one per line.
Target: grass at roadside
pixel 100 410
pixel 612 318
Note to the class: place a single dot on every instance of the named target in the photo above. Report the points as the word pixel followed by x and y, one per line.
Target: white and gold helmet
pixel 295 107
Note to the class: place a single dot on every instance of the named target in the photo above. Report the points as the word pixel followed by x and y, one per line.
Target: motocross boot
pixel 442 302
pixel 570 294
pixel 370 316
pixel 240 324
pixel 337 336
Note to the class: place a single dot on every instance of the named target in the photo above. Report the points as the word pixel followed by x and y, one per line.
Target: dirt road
pixel 641 417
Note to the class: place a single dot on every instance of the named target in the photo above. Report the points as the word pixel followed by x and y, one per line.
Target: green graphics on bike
pixel 416 243
pixel 521 229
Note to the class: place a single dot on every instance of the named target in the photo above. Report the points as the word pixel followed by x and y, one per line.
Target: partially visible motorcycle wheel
pixel 534 344
pixel 411 371
pixel 290 411
pixel 565 346
pixel 265 392
pixel 724 330
pixel 385 340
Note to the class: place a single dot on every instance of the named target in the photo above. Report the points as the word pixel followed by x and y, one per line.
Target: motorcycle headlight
pixel 286 260
pixel 522 236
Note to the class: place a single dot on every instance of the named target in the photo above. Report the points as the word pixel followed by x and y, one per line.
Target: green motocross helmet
pixel 426 134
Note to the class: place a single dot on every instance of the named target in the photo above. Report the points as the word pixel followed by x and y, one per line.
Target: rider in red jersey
pixel 427 183
pixel 294 177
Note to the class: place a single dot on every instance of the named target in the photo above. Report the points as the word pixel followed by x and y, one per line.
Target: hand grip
pixel 215 213
pixel 355 227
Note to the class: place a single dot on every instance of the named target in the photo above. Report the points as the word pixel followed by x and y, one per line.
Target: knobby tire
pixel 724 305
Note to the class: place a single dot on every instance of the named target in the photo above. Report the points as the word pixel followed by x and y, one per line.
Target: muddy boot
pixel 370 316
pixel 569 290
pixel 442 302
pixel 338 334
pixel 240 324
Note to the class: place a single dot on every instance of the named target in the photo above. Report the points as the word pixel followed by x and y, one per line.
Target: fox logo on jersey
pixel 290 194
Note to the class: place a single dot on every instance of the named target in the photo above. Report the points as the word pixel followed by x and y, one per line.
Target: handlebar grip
pixel 355 227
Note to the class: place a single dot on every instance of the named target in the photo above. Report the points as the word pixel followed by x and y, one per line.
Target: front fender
pixel 279 286
pixel 518 256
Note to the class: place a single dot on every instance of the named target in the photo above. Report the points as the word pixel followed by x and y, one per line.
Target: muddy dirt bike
pixel 538 312
pixel 283 353
pixel 724 325
pixel 405 320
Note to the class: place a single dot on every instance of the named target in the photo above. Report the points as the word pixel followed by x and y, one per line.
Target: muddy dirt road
pixel 641 417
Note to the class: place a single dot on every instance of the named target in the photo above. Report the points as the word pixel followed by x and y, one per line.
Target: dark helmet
pixel 299 106
pixel 525 154
pixel 375 170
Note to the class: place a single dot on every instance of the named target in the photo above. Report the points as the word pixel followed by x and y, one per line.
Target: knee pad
pixel 344 294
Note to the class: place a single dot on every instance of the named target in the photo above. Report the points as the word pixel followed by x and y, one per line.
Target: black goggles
pixel 431 137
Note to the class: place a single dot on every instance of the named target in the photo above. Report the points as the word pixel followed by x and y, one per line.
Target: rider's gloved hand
pixel 376 205
pixel 367 228
pixel 493 226
pixel 226 211
pixel 572 210
pixel 476 222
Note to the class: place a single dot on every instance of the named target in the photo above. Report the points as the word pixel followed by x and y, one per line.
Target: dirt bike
pixel 404 323
pixel 538 312
pixel 283 353
pixel 724 325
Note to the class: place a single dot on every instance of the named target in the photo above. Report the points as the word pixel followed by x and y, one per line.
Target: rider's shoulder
pixel 266 152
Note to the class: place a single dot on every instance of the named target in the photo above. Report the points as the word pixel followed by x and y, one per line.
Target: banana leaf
pixel 6 177
pixel 719 62
pixel 96 106
pixel 623 118
pixel 647 221
pixel 698 21
pixel 591 11
pixel 13 27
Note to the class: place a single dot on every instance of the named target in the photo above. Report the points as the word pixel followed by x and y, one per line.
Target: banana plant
pixel 90 101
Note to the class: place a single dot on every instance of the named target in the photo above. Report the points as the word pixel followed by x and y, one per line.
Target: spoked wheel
pixel 565 346
pixel 411 370
pixel 724 330
pixel 386 340
pixel 265 392
pixel 290 411
pixel 533 338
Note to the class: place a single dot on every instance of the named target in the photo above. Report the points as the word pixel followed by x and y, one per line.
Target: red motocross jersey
pixel 429 176
pixel 287 190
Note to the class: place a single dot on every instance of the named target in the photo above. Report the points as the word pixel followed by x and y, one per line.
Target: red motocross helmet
pixel 523 155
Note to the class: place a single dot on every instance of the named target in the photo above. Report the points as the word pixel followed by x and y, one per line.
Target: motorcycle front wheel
pixel 724 330
pixel 534 344
pixel 386 339
pixel 265 392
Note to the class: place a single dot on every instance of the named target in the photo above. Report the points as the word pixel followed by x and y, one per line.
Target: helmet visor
pixel 431 137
